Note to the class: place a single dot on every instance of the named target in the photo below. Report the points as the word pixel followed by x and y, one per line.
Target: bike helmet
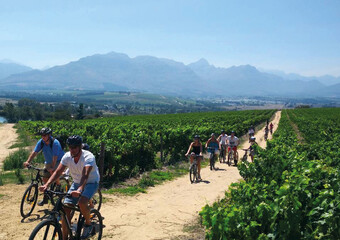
pixel 197 136
pixel 85 146
pixel 213 134
pixel 45 131
pixel 232 132
pixel 222 131
pixel 74 140
pixel 252 138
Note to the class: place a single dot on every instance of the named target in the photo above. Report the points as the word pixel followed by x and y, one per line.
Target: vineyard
pixel 132 143
pixel 292 190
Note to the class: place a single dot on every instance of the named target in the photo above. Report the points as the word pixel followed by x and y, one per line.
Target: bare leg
pixel 84 208
pixel 64 224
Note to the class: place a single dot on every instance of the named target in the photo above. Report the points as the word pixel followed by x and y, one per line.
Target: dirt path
pixel 8 136
pixel 159 214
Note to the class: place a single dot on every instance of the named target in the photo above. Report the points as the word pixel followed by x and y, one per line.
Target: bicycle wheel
pixel 47 229
pixel 230 157
pixel 97 223
pixel 236 159
pixel 64 187
pixel 29 200
pixel 191 173
pixel 96 200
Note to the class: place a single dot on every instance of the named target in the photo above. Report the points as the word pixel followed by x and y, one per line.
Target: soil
pixel 162 213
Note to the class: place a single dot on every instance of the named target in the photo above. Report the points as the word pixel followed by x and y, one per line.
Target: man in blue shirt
pixel 53 153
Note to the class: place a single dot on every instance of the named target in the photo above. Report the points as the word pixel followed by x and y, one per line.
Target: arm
pixel 207 144
pixel 219 138
pixel 189 149
pixel 54 177
pixel 201 150
pixel 30 158
pixel 54 162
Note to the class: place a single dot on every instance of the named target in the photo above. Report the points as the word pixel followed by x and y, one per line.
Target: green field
pixel 292 190
pixel 133 142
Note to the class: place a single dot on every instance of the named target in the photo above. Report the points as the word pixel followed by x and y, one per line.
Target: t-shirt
pixel 76 169
pixel 223 139
pixel 49 151
pixel 251 131
pixel 233 141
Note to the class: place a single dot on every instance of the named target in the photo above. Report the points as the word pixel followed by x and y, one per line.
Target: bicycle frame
pixel 58 210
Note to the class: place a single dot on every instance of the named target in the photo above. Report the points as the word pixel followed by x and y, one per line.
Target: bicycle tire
pixel 97 200
pixel 191 174
pixel 39 229
pixel 96 221
pixel 236 159
pixel 65 186
pixel 32 201
pixel 230 157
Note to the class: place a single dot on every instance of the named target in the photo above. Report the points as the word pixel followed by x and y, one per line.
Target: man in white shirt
pixel 85 174
pixel 233 142
pixel 223 142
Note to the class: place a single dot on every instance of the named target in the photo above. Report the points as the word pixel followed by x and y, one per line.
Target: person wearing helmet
pixel 197 150
pixel 252 148
pixel 222 139
pixel 233 142
pixel 213 145
pixel 85 175
pixel 52 152
pixel 251 132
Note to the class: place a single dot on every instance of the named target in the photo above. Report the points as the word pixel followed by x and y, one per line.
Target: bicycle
pixel 231 157
pixel 30 197
pixel 211 151
pixel 222 154
pixel 245 156
pixel 42 230
pixel 193 170
pixel 266 135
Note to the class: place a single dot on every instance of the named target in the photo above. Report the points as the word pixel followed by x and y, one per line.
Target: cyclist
pixel 213 145
pixel 197 150
pixel 53 153
pixel 232 142
pixel 271 126
pixel 252 148
pixel 223 143
pixel 266 130
pixel 85 174
pixel 251 132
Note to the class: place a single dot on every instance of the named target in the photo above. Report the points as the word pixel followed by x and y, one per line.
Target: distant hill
pixel 8 68
pixel 327 80
pixel 117 71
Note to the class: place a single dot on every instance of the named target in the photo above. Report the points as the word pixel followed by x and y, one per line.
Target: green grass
pixel 153 178
pixel 1 195
pixel 10 177
pixel 16 159
pixel 23 138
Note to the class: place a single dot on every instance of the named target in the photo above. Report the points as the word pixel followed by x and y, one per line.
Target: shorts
pixel 46 173
pixel 89 190
pixel 234 148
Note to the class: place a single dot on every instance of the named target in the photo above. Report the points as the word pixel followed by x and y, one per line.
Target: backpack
pixel 62 143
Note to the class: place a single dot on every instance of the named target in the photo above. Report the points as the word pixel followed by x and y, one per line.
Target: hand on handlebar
pixel 26 164
pixel 43 188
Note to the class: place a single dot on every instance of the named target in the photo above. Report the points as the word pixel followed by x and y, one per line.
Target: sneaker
pixel 87 231
pixel 44 201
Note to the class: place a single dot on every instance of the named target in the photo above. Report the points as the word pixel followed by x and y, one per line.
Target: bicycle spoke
pixel 46 231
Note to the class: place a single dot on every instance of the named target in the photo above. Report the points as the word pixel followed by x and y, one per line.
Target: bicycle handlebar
pixel 35 168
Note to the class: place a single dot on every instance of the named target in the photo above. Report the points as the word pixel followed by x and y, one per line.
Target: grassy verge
pixel 16 159
pixel 15 177
pixel 152 179
pixel 1 196
pixel 23 138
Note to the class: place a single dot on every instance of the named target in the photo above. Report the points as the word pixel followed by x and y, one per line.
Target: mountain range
pixel 118 72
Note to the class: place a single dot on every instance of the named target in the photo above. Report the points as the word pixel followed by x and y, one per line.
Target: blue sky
pixel 300 36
